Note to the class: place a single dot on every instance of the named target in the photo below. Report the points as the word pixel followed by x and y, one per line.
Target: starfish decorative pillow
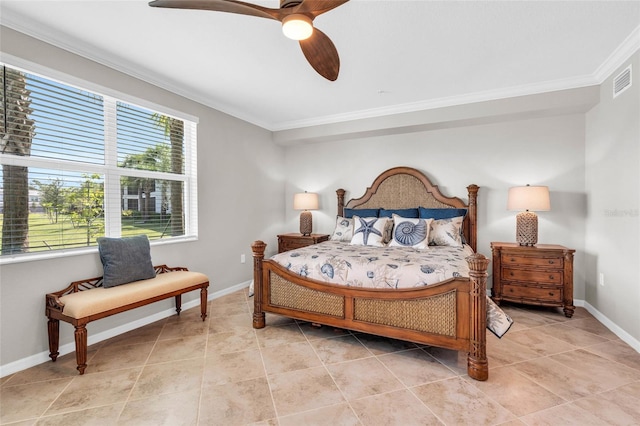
pixel 369 231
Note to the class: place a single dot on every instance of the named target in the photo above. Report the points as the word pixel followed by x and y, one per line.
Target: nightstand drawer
pixel 530 275
pixel 292 245
pixel 549 262
pixel 288 242
pixel 519 292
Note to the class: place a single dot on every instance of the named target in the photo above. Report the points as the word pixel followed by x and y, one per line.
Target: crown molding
pixel 84 50
pixel 471 98
pixel 619 56
pixel 627 48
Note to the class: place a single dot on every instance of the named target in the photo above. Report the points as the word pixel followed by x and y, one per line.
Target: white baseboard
pixel 615 329
pixel 39 358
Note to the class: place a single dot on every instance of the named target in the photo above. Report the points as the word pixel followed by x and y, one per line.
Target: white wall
pixel 240 191
pixel 543 151
pixel 613 200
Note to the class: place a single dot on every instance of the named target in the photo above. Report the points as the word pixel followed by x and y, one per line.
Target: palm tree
pixel 174 129
pixel 17 132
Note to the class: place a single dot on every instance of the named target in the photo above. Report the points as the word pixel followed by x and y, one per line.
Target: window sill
pixel 34 257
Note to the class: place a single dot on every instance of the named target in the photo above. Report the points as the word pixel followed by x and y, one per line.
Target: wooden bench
pixel 87 300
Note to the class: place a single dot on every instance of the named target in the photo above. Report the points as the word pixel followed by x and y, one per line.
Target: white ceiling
pixel 396 56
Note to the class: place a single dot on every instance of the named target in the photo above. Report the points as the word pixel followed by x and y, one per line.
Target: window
pixel 77 165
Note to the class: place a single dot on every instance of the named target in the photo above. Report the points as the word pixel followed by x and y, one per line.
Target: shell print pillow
pixel 410 232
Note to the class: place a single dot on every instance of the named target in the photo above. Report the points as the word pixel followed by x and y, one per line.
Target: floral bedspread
pixel 377 267
pixel 386 267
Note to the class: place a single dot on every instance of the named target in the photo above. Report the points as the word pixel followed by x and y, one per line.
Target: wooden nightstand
pixel 288 242
pixel 535 275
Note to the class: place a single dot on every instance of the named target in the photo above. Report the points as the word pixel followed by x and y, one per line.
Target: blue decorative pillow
pixel 426 213
pixel 410 213
pixel 410 232
pixel 125 260
pixel 349 213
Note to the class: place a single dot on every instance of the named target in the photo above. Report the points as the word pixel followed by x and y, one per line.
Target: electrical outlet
pixel 601 279
pixel 242 258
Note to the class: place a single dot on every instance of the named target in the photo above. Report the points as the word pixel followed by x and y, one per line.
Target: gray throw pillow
pixel 125 260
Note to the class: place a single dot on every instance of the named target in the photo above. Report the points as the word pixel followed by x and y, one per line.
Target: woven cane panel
pixel 289 295
pixel 402 191
pixel 436 314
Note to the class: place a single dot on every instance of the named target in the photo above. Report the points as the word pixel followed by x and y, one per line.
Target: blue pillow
pixel 125 260
pixel 408 213
pixel 349 213
pixel 441 213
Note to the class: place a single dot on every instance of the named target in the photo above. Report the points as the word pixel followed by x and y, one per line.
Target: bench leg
pixel 81 347
pixel 178 304
pixel 203 303
pixel 54 338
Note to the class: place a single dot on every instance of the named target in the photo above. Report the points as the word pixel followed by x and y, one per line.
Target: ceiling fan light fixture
pixel 297 26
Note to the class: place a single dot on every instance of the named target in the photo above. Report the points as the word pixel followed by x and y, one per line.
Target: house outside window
pixel 77 165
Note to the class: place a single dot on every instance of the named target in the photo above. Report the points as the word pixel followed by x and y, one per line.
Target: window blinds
pixel 77 165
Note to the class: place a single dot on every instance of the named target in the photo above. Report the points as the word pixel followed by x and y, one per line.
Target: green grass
pixel 44 235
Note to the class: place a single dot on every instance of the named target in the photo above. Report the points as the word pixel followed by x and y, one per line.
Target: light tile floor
pixel 547 370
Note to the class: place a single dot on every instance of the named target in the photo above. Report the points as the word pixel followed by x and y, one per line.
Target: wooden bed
pixel 450 314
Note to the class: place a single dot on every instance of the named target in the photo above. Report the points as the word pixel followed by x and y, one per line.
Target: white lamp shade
pixel 529 198
pixel 305 201
pixel 297 27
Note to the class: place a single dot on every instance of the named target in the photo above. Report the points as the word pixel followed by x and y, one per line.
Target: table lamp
pixel 305 201
pixel 528 199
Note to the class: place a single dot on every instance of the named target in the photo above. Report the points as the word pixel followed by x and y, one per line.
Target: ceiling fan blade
pixel 230 6
pixel 321 54
pixel 318 7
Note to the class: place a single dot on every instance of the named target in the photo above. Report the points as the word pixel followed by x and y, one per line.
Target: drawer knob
pixel 551 262
pixel 512 260
pixel 550 277
pixel 551 293
pixel 511 273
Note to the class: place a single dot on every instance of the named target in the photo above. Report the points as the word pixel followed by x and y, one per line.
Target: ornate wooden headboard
pixel 406 187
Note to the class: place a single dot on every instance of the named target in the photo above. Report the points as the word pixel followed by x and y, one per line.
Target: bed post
pixel 258 248
pixel 340 193
pixel 477 365
pixel 473 216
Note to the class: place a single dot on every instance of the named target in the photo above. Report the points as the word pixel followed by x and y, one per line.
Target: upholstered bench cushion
pixel 90 302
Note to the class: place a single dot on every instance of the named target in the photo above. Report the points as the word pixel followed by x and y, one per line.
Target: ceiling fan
pixel 297 23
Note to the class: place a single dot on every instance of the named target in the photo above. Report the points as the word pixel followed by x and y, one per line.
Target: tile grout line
pixel 55 399
pixel 204 362
pixel 409 388
pixel 264 366
pixel 127 400
pixel 326 369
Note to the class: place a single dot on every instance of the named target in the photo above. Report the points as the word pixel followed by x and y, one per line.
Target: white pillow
pixel 446 232
pixel 410 232
pixel 343 230
pixel 369 231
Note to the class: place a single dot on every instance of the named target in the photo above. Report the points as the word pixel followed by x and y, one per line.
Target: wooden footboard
pixel 451 314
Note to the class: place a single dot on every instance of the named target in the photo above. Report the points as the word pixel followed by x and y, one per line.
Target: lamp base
pixel 306 223
pixel 527 228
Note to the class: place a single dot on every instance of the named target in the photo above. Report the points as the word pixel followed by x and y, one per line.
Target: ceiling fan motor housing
pixel 289 3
